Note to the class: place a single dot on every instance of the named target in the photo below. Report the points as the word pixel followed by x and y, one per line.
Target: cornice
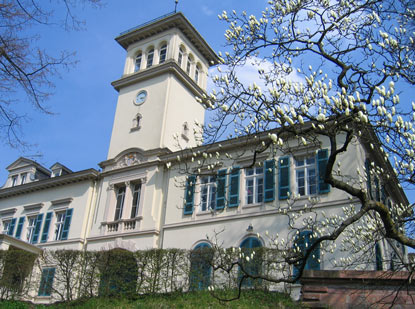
pixel 165 23
pixel 170 66
pixel 89 174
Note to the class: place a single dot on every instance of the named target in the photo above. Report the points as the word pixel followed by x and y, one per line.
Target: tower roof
pixel 166 22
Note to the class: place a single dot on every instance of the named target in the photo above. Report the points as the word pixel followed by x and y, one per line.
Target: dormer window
pixel 23 178
pixel 163 53
pixel 150 57
pixel 14 181
pixel 181 55
pixel 56 173
pixel 138 62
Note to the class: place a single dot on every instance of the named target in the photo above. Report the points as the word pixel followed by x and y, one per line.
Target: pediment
pixel 21 162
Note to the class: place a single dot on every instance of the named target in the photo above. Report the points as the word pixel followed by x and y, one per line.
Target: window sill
pixel 254 205
pixel 206 213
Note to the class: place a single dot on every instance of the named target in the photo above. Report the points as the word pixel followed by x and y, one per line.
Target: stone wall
pixel 357 289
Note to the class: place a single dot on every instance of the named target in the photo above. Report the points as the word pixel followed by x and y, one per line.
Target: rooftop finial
pixel 175 5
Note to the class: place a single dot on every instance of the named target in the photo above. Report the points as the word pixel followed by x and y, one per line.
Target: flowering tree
pixel 325 69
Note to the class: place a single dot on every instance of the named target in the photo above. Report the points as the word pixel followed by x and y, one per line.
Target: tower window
pixel 163 52
pixel 197 73
pixel 136 200
pixel 181 55
pixel 138 62
pixel 189 63
pixel 150 57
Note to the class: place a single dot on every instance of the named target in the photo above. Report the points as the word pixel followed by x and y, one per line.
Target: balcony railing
pixel 122 225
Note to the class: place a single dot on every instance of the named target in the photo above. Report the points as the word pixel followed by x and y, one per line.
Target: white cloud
pixel 207 11
pixel 248 73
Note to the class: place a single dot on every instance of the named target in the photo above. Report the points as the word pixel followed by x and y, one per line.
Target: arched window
pixel 200 266
pixel 197 73
pixel 150 57
pixel 189 64
pixel 138 62
pixel 378 256
pixel 254 265
pixel 181 55
pixel 301 244
pixel 163 53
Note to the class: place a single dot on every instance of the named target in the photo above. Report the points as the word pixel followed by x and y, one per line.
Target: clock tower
pixel 165 71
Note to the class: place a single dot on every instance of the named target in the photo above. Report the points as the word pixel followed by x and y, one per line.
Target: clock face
pixel 140 98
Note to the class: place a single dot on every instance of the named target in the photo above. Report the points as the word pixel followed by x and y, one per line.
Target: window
pixel 30 228
pixel 46 281
pixel 253 266
pixel 378 256
pixel 197 73
pixel 138 59
pixel 301 244
pixel 254 185
pixel 23 178
pixel 200 266
pixel 306 175
pixel 60 220
pixel 189 64
pixel 120 203
pixel 14 181
pixel 181 55
pixel 6 226
pixel 150 57
pixel 162 54
pixel 208 193
pixel 136 200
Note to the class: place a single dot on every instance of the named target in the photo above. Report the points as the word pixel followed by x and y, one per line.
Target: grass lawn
pixel 249 299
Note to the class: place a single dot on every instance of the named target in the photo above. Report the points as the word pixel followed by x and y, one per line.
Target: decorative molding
pixel 6 212
pixel 67 200
pixel 128 160
pixel 33 207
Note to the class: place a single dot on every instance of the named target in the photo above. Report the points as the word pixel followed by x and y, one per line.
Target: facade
pixel 142 198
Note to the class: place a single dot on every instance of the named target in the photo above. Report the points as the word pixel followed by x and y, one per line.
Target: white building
pixel 136 202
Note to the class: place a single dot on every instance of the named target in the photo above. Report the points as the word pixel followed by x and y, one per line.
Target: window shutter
pixel 19 227
pixel 221 189
pixel 383 193
pixel 379 259
pixel 284 177
pixel 322 158
pixel 11 227
pixel 234 187
pixel 377 193
pixel 67 224
pixel 36 232
pixel 189 195
pixel 46 227
pixel 269 185
pixel 368 181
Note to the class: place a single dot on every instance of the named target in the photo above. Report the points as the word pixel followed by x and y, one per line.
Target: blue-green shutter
pixel 189 195
pixel 234 187
pixel 377 193
pixel 368 180
pixel 322 158
pixel 38 225
pixel 46 225
pixel 11 227
pixel 383 193
pixel 221 189
pixel 284 177
pixel 67 224
pixel 46 282
pixel 19 227
pixel 269 184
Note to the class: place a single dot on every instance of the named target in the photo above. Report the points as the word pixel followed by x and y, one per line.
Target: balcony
pixel 121 226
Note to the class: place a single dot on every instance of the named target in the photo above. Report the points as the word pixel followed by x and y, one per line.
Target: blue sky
pixel 83 105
